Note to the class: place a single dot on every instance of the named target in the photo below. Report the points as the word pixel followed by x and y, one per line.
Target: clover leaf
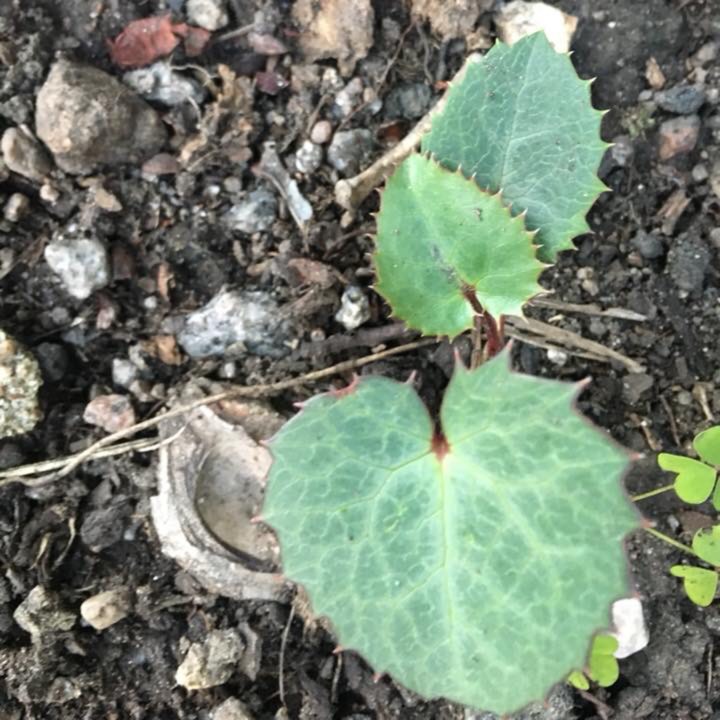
pixel 472 562
pixel 707 445
pixel 699 584
pixel 706 545
pixel 695 480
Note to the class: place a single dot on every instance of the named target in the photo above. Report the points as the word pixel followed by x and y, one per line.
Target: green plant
pixel 474 560
pixel 695 482
pixel 602 667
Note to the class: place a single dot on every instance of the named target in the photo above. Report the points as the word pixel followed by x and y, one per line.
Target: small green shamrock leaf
pixel 706 545
pixel 716 497
pixel 440 237
pixel 707 444
pixel 578 679
pixel 695 480
pixel 602 665
pixel 492 550
pixel 699 584
pixel 521 121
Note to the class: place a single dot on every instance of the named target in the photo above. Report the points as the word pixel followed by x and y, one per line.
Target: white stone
pixel 208 14
pixel 520 18
pixel 81 263
pixel 354 308
pixel 106 608
pixel 629 626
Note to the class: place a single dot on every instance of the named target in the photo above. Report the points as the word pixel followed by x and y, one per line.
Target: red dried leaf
pixel 143 41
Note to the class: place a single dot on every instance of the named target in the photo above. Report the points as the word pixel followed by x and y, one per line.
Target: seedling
pixel 473 558
pixel 602 667
pixel 695 482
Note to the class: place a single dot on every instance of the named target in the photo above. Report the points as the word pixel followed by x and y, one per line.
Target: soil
pixel 92 531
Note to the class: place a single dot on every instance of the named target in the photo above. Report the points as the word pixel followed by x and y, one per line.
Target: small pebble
pixel 648 245
pixel 308 157
pixel 231 709
pixel 255 213
pixel 557 357
pixel 208 14
pixel 321 132
pixel 20 380
pixel 110 412
pixel 635 386
pixel 408 100
pixel 250 319
pixel 349 149
pixel 700 173
pixel 16 207
pixel 211 662
pixel 678 136
pixel 107 608
pixel 82 264
pixel 41 614
pixel 24 155
pixel 681 99
pixel 354 308
pixel 688 262
pixel 160 83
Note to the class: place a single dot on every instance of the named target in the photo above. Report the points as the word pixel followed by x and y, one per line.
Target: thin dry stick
pixel 242 391
pixel 283 646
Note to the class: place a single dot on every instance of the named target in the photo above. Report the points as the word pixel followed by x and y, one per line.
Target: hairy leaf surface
pixel 441 237
pixel 474 567
pixel 521 121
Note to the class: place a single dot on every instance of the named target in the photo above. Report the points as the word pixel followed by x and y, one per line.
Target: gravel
pixel 24 155
pixel 81 263
pixel 250 319
pixel 256 213
pixel 88 118
pixel 20 380
pixel 681 99
pixel 349 150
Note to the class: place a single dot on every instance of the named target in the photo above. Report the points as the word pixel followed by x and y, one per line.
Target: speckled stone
pixel 20 380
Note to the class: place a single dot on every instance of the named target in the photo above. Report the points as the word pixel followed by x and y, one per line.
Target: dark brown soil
pixel 128 670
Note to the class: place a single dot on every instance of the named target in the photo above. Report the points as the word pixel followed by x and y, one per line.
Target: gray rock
pixel 321 132
pixel 208 14
pixel 308 157
pixel 251 318
pixel 211 662
pixel 688 262
pixel 161 83
pixel 40 614
pixel 81 263
pixel 678 136
pixel 349 149
pixel 53 360
pixel 649 246
pixel 635 386
pixel 681 99
pixel 87 118
pixel 20 380
pixel 256 213
pixel 24 155
pixel 354 308
pixel 107 608
pixel 409 100
pixel 231 709
pixel 124 372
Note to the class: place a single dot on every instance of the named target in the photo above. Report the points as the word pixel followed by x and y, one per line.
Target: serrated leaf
pixel 578 679
pixel 440 237
pixel 695 480
pixel 699 584
pixel 707 444
pixel 474 568
pixel 706 544
pixel 521 121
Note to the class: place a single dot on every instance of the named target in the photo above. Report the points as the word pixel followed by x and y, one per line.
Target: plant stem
pixel 651 493
pixel 670 541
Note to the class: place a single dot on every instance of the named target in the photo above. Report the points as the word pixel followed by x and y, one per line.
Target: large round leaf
pixel 474 566
pixel 440 238
pixel 521 121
